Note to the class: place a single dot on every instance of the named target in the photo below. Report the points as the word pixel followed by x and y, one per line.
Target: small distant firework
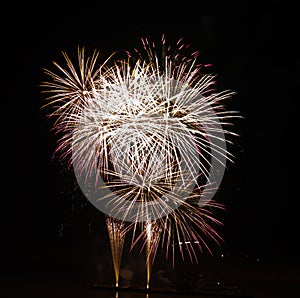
pixel 144 133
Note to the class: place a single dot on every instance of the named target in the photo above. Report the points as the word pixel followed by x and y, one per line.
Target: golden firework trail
pixel 116 232
pixel 153 233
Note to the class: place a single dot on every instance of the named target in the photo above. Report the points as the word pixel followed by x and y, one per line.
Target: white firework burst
pixel 151 128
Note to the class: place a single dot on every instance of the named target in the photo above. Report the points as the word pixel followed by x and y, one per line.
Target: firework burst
pixel 143 134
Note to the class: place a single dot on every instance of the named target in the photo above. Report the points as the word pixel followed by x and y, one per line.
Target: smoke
pixel 126 274
pixel 100 270
pixel 161 278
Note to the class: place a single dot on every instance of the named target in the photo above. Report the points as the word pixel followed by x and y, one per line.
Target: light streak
pixel 116 232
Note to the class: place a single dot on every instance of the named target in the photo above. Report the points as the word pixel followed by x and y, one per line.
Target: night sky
pixel 49 227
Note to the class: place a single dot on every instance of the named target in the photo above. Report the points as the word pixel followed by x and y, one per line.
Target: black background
pixel 253 50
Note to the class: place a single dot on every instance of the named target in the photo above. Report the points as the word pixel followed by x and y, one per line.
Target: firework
pixel 145 135
pixel 116 232
pixel 150 237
